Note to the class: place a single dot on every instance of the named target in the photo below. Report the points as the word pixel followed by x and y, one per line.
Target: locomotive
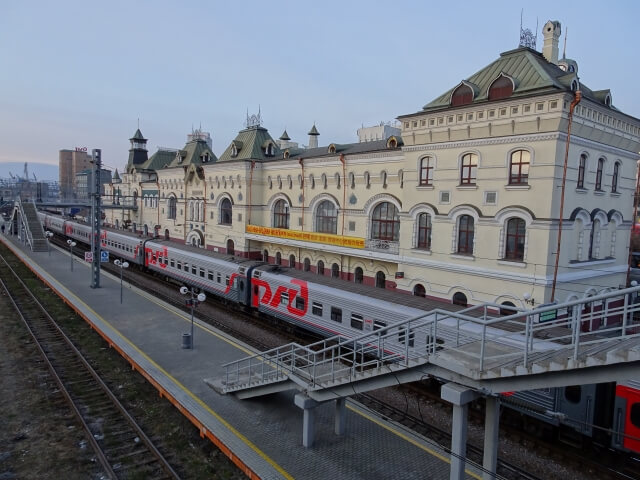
pixel 607 412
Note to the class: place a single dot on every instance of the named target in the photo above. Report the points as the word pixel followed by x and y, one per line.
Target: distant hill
pixel 43 171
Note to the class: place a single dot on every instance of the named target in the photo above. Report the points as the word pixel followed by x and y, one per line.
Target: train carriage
pixel 224 276
pixel 123 245
pixel 626 417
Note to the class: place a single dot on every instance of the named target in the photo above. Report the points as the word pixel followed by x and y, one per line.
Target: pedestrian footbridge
pixel 592 340
pixel 25 224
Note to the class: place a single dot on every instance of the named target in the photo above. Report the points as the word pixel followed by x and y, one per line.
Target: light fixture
pixel 192 302
pixel 528 298
pixel 122 264
pixel 71 244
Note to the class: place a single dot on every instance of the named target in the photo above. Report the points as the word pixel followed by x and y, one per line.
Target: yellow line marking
pixel 407 438
pixel 248 442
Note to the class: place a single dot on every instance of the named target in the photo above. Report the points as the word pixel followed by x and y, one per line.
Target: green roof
pixel 251 143
pixel 192 153
pixel 137 136
pixel 530 72
pixel 160 159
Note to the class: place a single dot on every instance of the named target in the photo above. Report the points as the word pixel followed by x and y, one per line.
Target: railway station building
pixel 463 205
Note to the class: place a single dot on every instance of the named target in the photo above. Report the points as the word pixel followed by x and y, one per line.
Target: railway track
pixel 120 445
pixel 611 469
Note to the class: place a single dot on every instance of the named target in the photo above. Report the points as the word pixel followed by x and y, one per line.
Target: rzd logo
pixel 273 300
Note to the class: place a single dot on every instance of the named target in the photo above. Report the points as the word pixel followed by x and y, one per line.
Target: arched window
pixel 226 212
pixel 385 222
pixel 515 239
pixel 292 261
pixel 519 167
pixel 599 174
pixel 135 199
pixel 468 169
pixel 463 95
pixel 614 178
pixel 265 256
pixel 381 280
pixel 419 291
pixel 320 269
pixel 281 214
pixel 172 208
pixel 191 210
pixel 582 167
pixel 502 87
pixel 460 298
pixel 424 231
pixel 326 218
pixel 465 235
pixel 507 308
pixel 278 258
pixel 231 247
pixel 307 265
pixel 426 171
pixel 358 275
pixel 594 240
pixel 335 270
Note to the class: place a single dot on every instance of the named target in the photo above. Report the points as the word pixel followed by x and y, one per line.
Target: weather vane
pixel 527 38
pixel 253 120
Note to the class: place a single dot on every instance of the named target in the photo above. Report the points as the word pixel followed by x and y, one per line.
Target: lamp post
pixel 193 302
pixel 49 235
pixel 71 244
pixel 122 265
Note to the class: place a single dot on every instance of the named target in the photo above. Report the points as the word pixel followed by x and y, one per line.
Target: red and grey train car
pixel 330 307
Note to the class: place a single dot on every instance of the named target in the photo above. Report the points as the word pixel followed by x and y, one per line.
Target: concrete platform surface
pixel 264 435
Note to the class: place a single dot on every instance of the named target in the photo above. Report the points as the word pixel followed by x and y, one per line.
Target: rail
pixel 25 224
pixel 572 330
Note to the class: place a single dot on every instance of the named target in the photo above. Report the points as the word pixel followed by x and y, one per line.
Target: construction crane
pixel 26 172
pixel 34 177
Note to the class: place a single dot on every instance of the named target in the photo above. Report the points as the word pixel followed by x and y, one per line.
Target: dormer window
pixel 463 95
pixel 392 142
pixel 269 150
pixel 502 87
pixel 332 148
pixel 607 100
pixel 574 86
pixel 234 150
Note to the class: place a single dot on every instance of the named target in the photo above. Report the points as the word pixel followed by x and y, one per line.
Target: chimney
pixel 551 32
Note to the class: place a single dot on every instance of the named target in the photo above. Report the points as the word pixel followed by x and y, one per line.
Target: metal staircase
pixel 32 228
pixel 478 349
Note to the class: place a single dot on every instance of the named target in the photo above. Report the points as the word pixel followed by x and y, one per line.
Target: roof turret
pixel 285 136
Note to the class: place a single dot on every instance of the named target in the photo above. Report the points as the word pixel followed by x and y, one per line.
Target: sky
pixel 83 74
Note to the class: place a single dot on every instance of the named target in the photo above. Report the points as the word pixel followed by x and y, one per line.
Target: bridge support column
pixel 340 415
pixel 491 429
pixel 308 427
pixel 460 397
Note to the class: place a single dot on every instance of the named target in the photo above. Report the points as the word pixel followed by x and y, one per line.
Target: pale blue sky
pixel 82 73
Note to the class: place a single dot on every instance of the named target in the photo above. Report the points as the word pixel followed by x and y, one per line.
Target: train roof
pixel 207 253
pixel 392 296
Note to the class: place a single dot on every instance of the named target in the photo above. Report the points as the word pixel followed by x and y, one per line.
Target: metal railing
pixel 25 224
pixel 569 331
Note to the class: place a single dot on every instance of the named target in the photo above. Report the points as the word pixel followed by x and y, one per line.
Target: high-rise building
pixel 70 163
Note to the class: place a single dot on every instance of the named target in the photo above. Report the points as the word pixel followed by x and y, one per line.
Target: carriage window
pixel 356 321
pixel 202 272
pixel 402 333
pixel 173 263
pixel 634 414
pixel 573 393
pixel 336 314
pixel 194 270
pixel 284 298
pixel 179 265
pixel 219 278
pixel 226 280
pixel 316 309
pixel 377 325
pixel 210 275
pixel 300 303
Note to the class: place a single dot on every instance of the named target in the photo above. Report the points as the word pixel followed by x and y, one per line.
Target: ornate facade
pixel 463 206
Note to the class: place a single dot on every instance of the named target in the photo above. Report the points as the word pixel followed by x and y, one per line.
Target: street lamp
pixel 71 244
pixel 193 302
pixel 49 235
pixel 122 265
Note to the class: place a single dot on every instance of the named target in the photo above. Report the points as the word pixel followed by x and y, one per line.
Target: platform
pixel 263 436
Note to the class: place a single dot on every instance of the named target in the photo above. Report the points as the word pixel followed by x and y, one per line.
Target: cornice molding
pixel 540 137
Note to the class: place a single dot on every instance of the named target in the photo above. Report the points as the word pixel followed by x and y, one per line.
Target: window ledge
pixel 615 194
pixel 598 192
pixel 512 263
pixel 582 263
pixel 422 251
pixel 467 187
pixel 425 187
pixel 227 225
pixel 463 257
pixel 517 187
pixel 581 190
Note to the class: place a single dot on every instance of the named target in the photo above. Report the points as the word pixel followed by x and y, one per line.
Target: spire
pixel 314 130
pixel 313 136
pixel 285 136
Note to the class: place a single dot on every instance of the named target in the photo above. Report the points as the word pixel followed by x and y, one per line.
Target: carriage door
pixel 577 403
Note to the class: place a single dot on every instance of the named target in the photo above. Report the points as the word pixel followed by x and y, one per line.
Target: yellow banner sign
pixel 328 238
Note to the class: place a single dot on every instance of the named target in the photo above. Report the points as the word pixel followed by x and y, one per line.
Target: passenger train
pixel 332 307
